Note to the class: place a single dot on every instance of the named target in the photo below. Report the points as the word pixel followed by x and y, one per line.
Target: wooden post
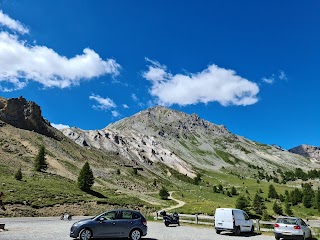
pixel 196 218
pixel 258 225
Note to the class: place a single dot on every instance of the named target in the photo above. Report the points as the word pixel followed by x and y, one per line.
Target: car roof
pixel 288 217
pixel 122 209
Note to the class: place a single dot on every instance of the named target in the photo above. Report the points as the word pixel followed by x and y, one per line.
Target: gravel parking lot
pixel 51 228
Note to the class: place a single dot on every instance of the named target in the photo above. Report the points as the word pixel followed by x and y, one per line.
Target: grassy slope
pixel 37 190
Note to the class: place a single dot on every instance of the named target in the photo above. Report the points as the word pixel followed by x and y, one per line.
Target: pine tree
pixel 234 191
pixel 308 195
pixel 258 204
pixel 164 194
pixel 85 179
pixel 242 203
pixel 317 200
pixel 272 192
pixel 40 160
pixel 277 208
pixel 197 179
pixel 265 216
pixel 18 175
pixel 288 209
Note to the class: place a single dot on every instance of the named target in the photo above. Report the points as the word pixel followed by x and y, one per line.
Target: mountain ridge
pixel 184 142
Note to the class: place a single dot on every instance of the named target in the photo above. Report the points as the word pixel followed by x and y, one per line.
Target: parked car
pixel 291 228
pixel 111 224
pixel 233 220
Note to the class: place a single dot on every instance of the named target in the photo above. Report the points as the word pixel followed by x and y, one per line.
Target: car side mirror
pixel 101 219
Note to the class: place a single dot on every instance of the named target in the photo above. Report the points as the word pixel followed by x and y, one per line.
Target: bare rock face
pixel 307 151
pixel 24 114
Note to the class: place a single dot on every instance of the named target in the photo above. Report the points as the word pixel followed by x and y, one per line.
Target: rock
pixel 24 114
pixel 307 151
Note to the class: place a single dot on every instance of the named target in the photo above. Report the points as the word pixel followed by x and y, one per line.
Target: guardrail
pixel 209 220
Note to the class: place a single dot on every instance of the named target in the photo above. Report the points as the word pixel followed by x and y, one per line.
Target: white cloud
pixel 214 84
pixel 103 103
pixel 21 62
pixel 59 126
pixel 12 24
pixel 282 75
pixel 269 80
pixel 115 113
pixel 125 106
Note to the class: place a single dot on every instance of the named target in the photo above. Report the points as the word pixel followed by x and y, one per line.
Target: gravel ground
pixel 54 229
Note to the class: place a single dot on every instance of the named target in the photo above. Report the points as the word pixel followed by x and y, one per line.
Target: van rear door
pixel 224 219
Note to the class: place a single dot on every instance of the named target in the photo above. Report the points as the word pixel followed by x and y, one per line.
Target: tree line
pixel 306 196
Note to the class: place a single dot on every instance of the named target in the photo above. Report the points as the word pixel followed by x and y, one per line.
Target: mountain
pixel 307 151
pixel 25 115
pixel 185 143
pixel 131 160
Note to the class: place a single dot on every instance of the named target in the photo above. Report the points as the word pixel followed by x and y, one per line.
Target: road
pixel 180 203
pixel 52 228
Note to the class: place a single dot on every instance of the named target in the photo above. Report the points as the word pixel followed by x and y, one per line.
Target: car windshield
pixel 290 221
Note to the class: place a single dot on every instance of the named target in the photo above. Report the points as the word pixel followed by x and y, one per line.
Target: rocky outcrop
pixel 307 151
pixel 24 114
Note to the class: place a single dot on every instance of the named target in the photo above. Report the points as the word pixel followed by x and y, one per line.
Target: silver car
pixel 111 224
pixel 291 228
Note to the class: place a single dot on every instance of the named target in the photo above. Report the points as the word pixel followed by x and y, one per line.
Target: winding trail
pixel 180 203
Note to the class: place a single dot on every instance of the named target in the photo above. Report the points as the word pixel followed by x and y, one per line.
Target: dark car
pixel 111 224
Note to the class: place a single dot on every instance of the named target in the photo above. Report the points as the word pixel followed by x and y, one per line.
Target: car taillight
pixel 144 222
pixel 296 227
pixel 276 225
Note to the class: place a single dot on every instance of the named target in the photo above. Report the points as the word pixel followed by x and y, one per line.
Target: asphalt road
pixel 50 228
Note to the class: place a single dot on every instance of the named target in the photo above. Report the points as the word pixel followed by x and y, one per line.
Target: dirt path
pixel 180 203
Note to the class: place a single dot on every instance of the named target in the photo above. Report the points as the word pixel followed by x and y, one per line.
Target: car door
pixel 108 226
pixel 126 222
pixel 306 230
pixel 246 223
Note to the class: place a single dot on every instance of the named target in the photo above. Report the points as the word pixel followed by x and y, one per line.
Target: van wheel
pixel 237 230
pixel 218 231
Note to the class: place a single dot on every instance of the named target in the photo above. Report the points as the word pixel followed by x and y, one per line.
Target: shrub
pixel 18 175
pixel 164 194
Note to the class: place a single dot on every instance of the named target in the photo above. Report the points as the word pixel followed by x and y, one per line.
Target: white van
pixel 234 220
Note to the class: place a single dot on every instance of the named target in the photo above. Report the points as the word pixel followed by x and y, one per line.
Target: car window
pixel 126 215
pixel 246 217
pixel 290 221
pixel 135 216
pixel 303 223
pixel 109 215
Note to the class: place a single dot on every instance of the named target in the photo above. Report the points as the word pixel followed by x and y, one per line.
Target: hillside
pixel 186 143
pixel 131 160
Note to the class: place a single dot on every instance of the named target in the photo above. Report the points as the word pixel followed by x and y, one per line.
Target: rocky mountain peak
pixel 307 151
pixel 24 114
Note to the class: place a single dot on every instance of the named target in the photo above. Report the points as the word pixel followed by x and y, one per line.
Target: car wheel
pixel 218 231
pixel 85 234
pixel 277 238
pixel 237 231
pixel 135 234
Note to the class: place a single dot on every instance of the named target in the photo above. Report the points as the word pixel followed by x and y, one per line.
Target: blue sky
pixel 250 65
